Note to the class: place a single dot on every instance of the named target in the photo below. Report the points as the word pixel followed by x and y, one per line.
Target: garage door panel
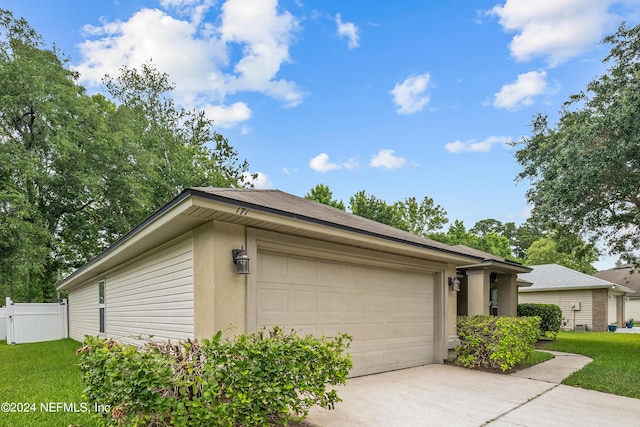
pixel 389 313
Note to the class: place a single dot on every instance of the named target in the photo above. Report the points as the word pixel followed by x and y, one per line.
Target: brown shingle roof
pixel 623 276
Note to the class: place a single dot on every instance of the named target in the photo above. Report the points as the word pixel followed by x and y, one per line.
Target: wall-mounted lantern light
pixel 454 284
pixel 241 260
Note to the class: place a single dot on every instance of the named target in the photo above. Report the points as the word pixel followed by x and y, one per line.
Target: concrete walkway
pixel 442 395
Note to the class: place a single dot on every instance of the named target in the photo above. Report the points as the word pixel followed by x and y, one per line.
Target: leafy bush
pixel 491 342
pixel 254 380
pixel 550 317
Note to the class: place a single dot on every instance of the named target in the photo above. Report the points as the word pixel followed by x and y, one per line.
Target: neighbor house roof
pixel 277 211
pixel 625 275
pixel 554 277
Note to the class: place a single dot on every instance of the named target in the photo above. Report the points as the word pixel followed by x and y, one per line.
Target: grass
pixel 41 373
pixel 616 361
pixel 533 359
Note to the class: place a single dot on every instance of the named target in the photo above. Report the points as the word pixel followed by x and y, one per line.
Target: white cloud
pixel 321 163
pixel 349 30
pixel 386 159
pixel 521 93
pixel 411 95
pixel 227 117
pixel 195 53
pixel 476 146
pixel 556 30
pixel 262 181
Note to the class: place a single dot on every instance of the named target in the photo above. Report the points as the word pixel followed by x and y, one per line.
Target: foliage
pixel 490 242
pixel 578 257
pixel 615 368
pixel 256 379
pixel 79 171
pixel 41 372
pixel 585 170
pixel 491 342
pixel 322 194
pixel 418 218
pixel 550 317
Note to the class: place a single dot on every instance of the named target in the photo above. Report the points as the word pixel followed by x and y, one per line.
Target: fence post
pixel 65 318
pixel 10 316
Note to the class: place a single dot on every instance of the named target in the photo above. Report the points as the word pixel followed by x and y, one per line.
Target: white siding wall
pixel 632 309
pixel 564 299
pixel 153 296
pixel 83 311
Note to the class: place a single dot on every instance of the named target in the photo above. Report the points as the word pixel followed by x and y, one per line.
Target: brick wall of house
pixel 599 310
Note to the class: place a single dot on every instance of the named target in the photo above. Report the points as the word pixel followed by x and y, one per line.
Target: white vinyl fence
pixel 3 323
pixel 31 322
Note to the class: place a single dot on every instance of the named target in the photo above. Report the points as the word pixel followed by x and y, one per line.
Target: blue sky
pixel 400 99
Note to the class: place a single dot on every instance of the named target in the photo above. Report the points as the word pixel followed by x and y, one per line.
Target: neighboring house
pixel 584 299
pixel 626 275
pixel 313 268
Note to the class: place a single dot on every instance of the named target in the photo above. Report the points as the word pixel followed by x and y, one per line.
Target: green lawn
pixel 44 373
pixel 616 361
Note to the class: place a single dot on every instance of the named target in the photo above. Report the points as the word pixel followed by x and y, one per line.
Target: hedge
pixel 253 380
pixel 550 317
pixel 494 343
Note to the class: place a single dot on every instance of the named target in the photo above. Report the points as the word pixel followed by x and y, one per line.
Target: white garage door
pixel 388 312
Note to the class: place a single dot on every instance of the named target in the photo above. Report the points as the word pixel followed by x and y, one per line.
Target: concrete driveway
pixel 441 395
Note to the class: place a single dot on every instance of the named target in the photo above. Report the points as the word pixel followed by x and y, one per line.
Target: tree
pixel 548 251
pixel 490 242
pixel 79 171
pixel 585 172
pixel 322 194
pixel 418 218
pixel 369 206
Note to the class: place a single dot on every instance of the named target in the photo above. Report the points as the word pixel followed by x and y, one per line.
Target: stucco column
pixel 478 292
pixel 507 295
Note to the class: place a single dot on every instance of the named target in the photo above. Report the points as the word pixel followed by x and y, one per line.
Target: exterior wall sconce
pixel 454 284
pixel 241 260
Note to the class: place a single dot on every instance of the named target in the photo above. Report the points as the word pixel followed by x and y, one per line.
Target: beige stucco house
pixel 313 268
pixel 584 299
pixel 629 276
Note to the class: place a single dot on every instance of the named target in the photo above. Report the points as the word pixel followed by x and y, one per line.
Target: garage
pixel 389 312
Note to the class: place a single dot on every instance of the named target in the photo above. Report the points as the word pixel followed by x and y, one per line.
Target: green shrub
pixel 491 342
pixel 253 380
pixel 550 317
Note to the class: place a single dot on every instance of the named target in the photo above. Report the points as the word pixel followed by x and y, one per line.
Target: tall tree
pixel 574 254
pixel 78 171
pixel 420 218
pixel 585 171
pixel 322 194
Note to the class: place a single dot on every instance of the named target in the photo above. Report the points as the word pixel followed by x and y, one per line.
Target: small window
pixel 101 305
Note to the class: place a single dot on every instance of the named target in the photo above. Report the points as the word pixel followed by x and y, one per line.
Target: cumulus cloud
pixel 321 163
pixel 522 92
pixel 476 146
pixel 260 182
pixel 228 116
pixel 411 95
pixel 387 160
pixel 556 30
pixel 349 31
pixel 195 53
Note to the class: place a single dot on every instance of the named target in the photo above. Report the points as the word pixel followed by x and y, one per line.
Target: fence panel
pixel 3 323
pixel 31 322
